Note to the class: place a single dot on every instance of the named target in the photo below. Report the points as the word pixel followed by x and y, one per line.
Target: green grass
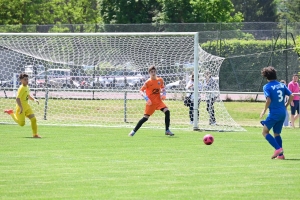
pixel 245 113
pixel 103 163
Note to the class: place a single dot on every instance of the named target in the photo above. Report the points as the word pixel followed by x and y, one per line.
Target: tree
pixel 298 45
pixel 49 12
pixel 168 11
pixel 24 12
pixel 289 10
pixel 175 11
pixel 215 11
pixel 75 11
pixel 257 10
pixel 128 11
pixel 195 11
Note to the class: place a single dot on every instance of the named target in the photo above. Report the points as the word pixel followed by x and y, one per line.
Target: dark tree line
pixel 39 12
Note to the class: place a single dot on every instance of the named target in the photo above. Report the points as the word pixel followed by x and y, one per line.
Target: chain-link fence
pixel 247 47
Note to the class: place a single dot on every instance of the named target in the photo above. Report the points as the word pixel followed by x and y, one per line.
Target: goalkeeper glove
pixel 148 100
pixel 164 94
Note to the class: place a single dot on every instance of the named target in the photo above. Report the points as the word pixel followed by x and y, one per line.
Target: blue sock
pixel 279 142
pixel 272 141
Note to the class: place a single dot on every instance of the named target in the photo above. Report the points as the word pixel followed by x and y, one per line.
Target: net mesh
pixel 94 79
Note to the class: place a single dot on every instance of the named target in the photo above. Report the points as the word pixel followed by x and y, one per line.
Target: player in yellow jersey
pixel 23 108
pixel 153 87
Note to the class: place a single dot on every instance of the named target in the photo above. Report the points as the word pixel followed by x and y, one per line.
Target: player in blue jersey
pixel 275 93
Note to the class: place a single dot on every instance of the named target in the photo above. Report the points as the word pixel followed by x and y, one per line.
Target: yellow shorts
pixel 26 111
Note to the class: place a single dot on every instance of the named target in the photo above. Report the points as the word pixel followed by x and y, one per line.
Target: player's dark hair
pixel 192 76
pixel 295 75
pixel 152 67
pixel 269 73
pixel 23 75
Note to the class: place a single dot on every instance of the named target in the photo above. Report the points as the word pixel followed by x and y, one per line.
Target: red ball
pixel 208 139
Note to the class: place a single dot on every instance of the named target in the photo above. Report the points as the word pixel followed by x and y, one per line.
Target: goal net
pixel 93 79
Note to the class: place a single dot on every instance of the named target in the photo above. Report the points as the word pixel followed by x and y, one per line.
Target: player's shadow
pixel 293 159
pixel 161 136
pixel 33 138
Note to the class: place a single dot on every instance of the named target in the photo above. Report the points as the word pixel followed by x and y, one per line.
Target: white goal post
pixel 93 78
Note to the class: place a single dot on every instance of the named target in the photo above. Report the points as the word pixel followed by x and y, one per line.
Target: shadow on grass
pixel 294 159
pixel 161 136
pixel 33 138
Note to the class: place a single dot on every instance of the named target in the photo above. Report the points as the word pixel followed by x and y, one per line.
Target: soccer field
pixel 104 163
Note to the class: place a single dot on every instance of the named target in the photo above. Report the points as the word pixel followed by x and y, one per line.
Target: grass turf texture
pixel 103 163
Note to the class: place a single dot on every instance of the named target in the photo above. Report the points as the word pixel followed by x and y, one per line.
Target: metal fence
pixel 260 29
pixel 240 70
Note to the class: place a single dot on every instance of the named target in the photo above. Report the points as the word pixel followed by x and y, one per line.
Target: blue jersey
pixel 276 91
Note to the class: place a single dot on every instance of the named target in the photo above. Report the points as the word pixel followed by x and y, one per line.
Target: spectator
pixel 211 86
pixel 190 95
pixel 294 88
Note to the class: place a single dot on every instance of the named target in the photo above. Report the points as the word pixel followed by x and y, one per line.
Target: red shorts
pixel 149 110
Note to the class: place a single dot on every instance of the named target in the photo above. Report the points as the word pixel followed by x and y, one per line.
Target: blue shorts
pixel 295 107
pixel 274 122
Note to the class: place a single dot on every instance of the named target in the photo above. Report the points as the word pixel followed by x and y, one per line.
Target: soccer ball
pixel 208 139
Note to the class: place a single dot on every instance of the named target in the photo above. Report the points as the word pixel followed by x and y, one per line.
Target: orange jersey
pixel 153 89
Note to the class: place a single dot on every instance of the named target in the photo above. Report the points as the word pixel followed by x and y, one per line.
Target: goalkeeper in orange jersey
pixel 153 87
pixel 23 108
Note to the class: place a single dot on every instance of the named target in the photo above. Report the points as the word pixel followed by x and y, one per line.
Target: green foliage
pixel 298 44
pixel 49 12
pixel 289 10
pixel 17 29
pixel 75 11
pixel 244 47
pixel 58 29
pixel 215 11
pixel 25 12
pixel 175 11
pixel 257 10
pixel 75 28
pixel 131 11
pixel 197 11
pixel 294 10
pixel 168 11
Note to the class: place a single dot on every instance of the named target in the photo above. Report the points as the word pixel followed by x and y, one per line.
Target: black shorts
pixel 295 107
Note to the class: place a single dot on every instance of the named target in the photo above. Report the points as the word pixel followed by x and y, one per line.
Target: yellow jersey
pixel 23 94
